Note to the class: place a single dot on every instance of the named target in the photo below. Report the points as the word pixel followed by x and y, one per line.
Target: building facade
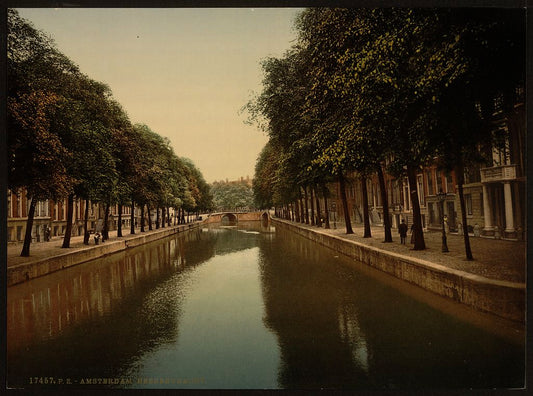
pixel 494 194
pixel 53 215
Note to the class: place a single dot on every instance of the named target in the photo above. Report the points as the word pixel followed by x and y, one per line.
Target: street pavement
pixel 495 259
pixel 42 250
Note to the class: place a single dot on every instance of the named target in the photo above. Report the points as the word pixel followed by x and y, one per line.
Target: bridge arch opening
pixel 228 219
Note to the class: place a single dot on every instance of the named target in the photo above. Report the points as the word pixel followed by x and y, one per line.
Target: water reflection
pixel 96 318
pixel 245 307
pixel 339 328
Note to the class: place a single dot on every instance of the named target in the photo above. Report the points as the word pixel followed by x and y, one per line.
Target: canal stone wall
pixel 501 298
pixel 24 272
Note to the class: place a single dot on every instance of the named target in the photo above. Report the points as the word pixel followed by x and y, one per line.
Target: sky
pixel 185 73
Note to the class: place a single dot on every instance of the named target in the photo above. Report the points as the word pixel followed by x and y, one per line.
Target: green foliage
pixel 232 195
pixel 66 134
pixel 199 197
pixel 37 157
pixel 366 86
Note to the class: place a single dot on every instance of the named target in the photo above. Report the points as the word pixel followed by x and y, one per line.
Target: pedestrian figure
pixel 402 229
pixel 97 238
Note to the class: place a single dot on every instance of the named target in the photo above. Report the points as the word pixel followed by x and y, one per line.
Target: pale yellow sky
pixel 183 72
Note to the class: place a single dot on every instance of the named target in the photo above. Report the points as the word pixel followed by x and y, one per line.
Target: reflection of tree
pixel 234 239
pixel 411 345
pixel 302 303
pixel 98 318
pixel 341 327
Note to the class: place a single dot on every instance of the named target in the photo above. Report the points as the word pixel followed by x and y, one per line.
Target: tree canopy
pixel 68 136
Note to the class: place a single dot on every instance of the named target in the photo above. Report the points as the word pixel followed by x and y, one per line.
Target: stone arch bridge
pixel 233 218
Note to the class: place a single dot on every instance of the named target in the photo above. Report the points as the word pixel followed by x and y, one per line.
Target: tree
pixel 231 195
pixel 465 109
pixel 263 180
pixel 84 122
pixel 36 155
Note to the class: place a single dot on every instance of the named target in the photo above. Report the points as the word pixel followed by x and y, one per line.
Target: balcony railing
pixel 498 173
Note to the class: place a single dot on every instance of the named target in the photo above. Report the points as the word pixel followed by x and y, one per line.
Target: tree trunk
pixel 132 225
pixel 86 235
pixel 318 214
pixel 312 206
pixel 302 212
pixel 149 217
pixel 169 220
pixel 142 217
pixel 385 203
pixel 119 223
pixel 296 211
pixel 417 218
pixel 163 217
pixel 68 230
pixel 306 207
pixel 459 172
pixel 105 230
pixel 291 211
pixel 366 217
pixel 344 200
pixel 326 210
pixel 29 224
pixel 157 218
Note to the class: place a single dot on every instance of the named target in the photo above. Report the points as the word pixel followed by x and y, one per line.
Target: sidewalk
pixel 493 258
pixel 43 250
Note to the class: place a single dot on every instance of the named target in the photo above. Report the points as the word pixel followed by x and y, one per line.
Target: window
pixel 406 198
pixel 420 188
pixel 472 174
pixel 468 204
pixel 442 182
pixel 431 191
pixel 18 210
pixel 449 183
pixel 9 204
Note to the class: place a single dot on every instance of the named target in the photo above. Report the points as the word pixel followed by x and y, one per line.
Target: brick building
pixel 494 194
pixel 53 214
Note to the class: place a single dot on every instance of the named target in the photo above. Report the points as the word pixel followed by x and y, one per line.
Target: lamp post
pixel 442 197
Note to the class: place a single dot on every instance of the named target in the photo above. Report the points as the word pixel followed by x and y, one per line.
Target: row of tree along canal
pixel 368 91
pixel 68 137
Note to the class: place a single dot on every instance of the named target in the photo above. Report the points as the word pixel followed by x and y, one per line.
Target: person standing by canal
pixel 402 229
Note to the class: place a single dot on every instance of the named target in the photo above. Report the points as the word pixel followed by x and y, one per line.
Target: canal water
pixel 248 307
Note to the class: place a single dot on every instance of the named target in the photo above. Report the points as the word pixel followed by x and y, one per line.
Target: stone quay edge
pixel 497 297
pixel 40 267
